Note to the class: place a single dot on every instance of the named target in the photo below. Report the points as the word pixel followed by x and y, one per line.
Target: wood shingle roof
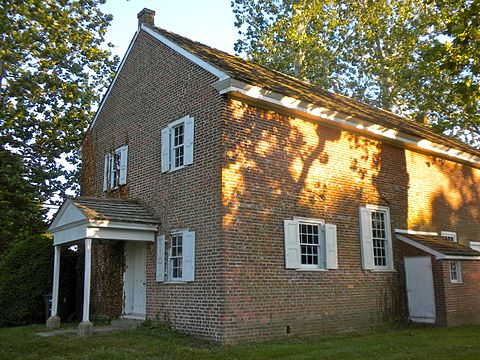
pixel 114 210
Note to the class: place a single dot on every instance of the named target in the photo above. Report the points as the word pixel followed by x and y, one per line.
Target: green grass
pixel 160 343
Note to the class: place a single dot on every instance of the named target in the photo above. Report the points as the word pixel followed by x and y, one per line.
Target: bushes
pixel 25 276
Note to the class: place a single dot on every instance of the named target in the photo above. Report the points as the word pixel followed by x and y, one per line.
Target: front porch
pixel 90 221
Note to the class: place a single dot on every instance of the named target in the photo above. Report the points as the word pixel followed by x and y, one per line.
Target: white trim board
pixel 348 122
pixel 413 232
pixel 438 255
pixel 193 58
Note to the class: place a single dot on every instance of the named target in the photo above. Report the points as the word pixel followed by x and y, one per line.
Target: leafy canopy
pixel 52 72
pixel 411 57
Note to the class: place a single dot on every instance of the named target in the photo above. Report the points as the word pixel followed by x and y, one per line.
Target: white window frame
pixel 170 257
pixel 115 168
pixel 164 271
pixel 450 235
pixel 366 238
pixel 458 278
pixel 168 147
pixel 327 245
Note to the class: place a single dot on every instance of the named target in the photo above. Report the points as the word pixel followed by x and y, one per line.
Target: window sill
pixel 381 270
pixel 307 269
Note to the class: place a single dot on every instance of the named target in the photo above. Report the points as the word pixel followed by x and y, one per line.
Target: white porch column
pixel 54 320
pixel 86 327
pixel 86 280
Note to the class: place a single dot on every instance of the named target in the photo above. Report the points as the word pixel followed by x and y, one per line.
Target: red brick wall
pixel 443 195
pixel 277 167
pixel 157 86
pixel 462 300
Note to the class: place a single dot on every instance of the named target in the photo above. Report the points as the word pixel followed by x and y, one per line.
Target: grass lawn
pixel 160 343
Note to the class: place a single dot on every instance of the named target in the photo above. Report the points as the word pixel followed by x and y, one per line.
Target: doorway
pixel 420 291
pixel 134 289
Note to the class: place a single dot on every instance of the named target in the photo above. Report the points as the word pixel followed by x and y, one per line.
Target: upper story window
pixel 376 238
pixel 450 235
pixel 176 257
pixel 310 244
pixel 177 144
pixel 115 168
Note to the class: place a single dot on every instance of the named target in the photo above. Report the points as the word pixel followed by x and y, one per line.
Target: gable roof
pixel 438 246
pixel 271 80
pixel 114 210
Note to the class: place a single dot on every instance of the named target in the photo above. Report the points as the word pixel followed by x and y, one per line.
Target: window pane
pixel 379 237
pixel 309 244
pixel 176 257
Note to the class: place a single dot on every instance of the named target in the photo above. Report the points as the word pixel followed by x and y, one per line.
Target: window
pixel 475 245
pixel 376 238
pixel 176 257
pixel 115 168
pixel 177 144
pixel 310 244
pixel 450 235
pixel 455 271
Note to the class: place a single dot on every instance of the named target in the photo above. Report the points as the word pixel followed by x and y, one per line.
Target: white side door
pixel 420 292
pixel 134 279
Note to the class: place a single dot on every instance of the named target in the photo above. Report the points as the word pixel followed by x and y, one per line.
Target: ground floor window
pixel 176 257
pixel 455 271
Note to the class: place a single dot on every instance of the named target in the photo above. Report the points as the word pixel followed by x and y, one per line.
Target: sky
pixel 208 21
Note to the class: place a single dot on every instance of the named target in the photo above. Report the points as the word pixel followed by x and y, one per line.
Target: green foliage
pixel 394 54
pixel 21 214
pixel 52 72
pixel 25 276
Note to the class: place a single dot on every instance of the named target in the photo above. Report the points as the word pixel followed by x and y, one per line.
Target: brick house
pixel 237 203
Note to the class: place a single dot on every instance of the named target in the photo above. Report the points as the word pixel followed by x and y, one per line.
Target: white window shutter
pixel 123 165
pixel 189 135
pixel 106 171
pixel 292 244
pixel 165 149
pixel 188 264
pixel 366 239
pixel 112 173
pixel 160 276
pixel 331 246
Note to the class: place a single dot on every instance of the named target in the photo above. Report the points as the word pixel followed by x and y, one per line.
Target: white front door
pixel 134 289
pixel 420 293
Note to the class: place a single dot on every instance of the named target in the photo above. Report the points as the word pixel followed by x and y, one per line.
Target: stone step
pixel 126 323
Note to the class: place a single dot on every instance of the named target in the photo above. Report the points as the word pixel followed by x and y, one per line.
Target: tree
pixel 383 52
pixel 22 215
pixel 52 72
pixel 457 52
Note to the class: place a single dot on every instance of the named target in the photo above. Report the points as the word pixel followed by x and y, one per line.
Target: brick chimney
pixel 422 118
pixel 147 17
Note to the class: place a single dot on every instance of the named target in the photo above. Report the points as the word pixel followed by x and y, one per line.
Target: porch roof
pixel 110 219
pixel 440 247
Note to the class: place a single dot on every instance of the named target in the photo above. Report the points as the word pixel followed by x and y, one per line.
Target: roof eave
pixel 242 90
pixel 438 255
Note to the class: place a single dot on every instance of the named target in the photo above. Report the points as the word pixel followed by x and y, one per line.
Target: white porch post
pixel 86 327
pixel 54 320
